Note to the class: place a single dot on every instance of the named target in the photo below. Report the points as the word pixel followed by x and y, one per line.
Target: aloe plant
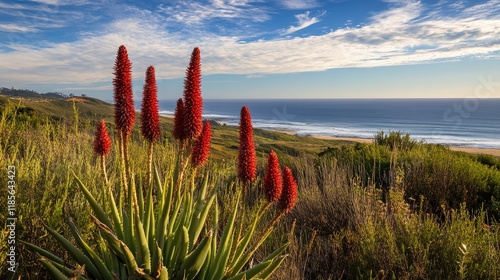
pixel 170 230
pixel 170 239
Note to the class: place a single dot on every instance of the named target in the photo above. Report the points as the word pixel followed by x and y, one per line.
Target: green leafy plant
pixel 169 230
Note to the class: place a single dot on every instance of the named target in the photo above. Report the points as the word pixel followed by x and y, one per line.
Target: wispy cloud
pixel 37 16
pixel 404 34
pixel 84 88
pixel 63 2
pixel 10 27
pixel 299 4
pixel 303 21
pixel 197 12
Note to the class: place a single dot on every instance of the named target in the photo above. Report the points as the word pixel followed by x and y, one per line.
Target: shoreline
pixel 488 151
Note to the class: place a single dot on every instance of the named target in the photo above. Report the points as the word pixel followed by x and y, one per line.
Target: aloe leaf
pixel 148 212
pixel 224 246
pixel 156 261
pixel 43 252
pixel 160 190
pixel 176 230
pixel 163 219
pixel 140 197
pixel 163 274
pixel 272 268
pixel 105 253
pixel 54 272
pixel 143 254
pixel 99 212
pixel 129 257
pixel 111 239
pixel 177 244
pixel 194 261
pixel 221 263
pixel 67 270
pixel 276 252
pixel 200 217
pixel 243 244
pixel 128 231
pixel 175 213
pixel 91 254
pixel 77 255
pixel 203 192
pixel 244 259
pixel 184 248
pixel 208 261
pixel 115 215
pixel 248 274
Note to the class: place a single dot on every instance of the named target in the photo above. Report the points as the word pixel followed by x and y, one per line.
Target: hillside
pixel 224 140
pixel 26 93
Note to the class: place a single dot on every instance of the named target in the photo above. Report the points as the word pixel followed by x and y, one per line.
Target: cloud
pixel 197 12
pixel 303 21
pixel 10 27
pixel 404 34
pixel 37 16
pixel 47 2
pixel 299 4
pixel 255 76
pixel 62 2
pixel 85 88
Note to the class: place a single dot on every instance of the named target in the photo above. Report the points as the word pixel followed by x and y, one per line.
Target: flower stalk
pixel 193 102
pixel 150 119
pixel 179 122
pixel 201 148
pixel 124 112
pixel 247 166
pixel 102 146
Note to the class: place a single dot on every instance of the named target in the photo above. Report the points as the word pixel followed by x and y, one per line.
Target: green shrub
pixel 395 140
pixel 445 178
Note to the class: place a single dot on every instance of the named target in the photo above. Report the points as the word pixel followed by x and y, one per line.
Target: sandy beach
pixel 494 152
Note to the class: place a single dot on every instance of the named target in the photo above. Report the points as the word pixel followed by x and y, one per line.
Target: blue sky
pixel 257 49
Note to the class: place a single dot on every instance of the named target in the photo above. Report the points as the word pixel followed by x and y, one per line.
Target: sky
pixel 257 49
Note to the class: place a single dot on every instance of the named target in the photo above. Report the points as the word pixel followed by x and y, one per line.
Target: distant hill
pixel 27 93
pixel 58 108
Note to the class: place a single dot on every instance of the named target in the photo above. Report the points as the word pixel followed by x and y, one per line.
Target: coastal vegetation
pixel 393 209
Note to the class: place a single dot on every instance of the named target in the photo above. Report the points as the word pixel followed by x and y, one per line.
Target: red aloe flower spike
pixel 150 121
pixel 179 120
pixel 247 167
pixel 201 148
pixel 102 141
pixel 193 103
pixel 272 180
pixel 123 96
pixel 289 194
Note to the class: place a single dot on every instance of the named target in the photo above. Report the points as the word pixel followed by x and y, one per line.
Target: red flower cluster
pixel 193 103
pixel 201 148
pixel 123 96
pixel 150 121
pixel 289 194
pixel 247 167
pixel 179 120
pixel 272 180
pixel 102 141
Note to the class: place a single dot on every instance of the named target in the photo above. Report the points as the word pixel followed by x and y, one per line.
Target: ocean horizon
pixel 470 122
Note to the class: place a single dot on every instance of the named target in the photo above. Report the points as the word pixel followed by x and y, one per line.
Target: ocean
pixel 473 123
